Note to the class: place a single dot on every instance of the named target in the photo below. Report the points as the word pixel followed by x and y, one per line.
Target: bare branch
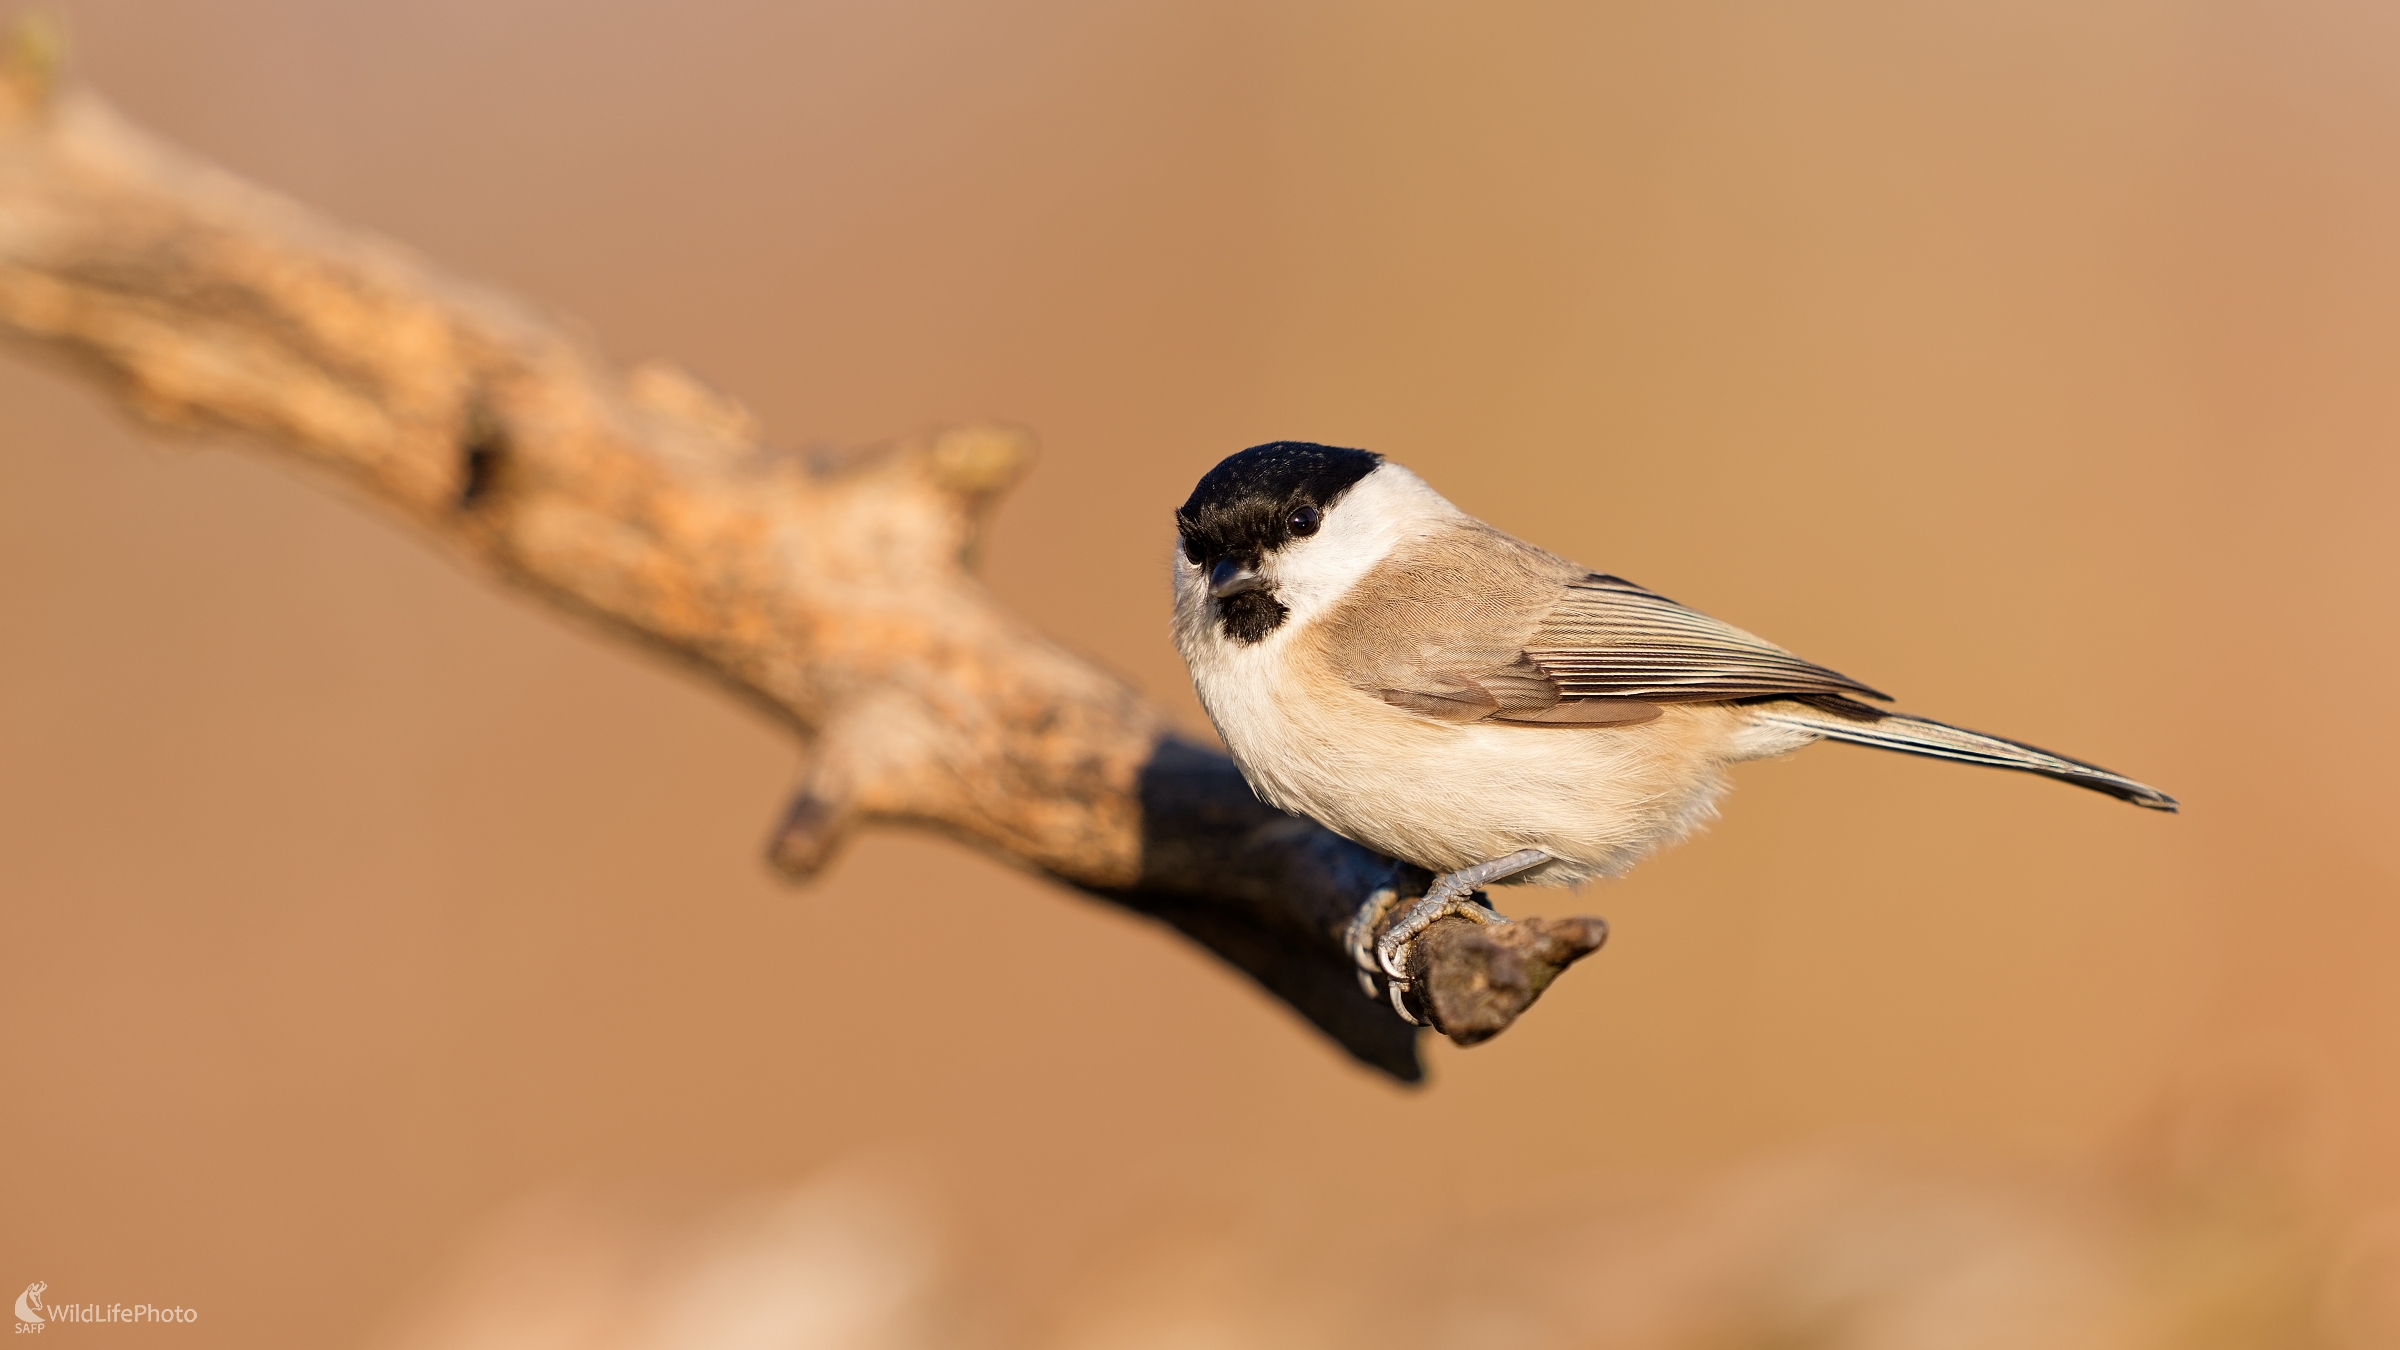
pixel 835 593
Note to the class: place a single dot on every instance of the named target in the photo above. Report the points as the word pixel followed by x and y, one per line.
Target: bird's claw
pixel 1453 893
pixel 1393 950
pixel 1360 940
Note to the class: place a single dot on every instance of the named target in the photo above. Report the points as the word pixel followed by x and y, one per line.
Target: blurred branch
pixel 835 592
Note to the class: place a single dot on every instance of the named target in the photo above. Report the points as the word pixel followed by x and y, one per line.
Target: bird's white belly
pixel 1448 796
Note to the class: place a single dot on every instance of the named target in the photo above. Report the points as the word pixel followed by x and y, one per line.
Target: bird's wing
pixel 1439 628
pixel 1473 625
pixel 1611 639
pixel 1471 691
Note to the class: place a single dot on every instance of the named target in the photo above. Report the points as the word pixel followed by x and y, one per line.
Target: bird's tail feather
pixel 1841 719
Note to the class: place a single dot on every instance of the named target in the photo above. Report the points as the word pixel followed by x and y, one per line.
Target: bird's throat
pixel 1251 615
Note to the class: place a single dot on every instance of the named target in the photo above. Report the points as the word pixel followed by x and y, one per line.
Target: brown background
pixel 2033 361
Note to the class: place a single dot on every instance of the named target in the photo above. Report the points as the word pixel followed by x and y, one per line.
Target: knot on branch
pixel 973 465
pixel 878 758
pixel 31 52
pixel 979 461
pixel 960 471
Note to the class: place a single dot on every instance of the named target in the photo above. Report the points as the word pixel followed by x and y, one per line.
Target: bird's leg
pixel 1450 893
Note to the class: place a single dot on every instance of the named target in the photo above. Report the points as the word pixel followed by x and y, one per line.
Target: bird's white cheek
pixel 1387 507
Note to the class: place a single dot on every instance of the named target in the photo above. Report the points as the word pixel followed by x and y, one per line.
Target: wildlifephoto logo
pixel 34 1316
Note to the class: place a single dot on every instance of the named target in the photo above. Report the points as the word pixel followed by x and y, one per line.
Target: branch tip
pixel 876 757
pixel 812 831
pixel 981 460
pixel 1475 979
pixel 974 464
pixel 31 53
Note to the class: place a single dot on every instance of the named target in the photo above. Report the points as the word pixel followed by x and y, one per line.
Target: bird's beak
pixel 1229 577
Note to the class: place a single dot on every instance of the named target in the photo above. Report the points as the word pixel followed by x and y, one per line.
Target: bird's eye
pixel 1304 520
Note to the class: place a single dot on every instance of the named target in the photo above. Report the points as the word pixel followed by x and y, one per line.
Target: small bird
pixel 1415 680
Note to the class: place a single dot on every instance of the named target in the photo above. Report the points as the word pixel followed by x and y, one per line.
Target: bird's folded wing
pixel 1610 639
pixel 1471 625
pixel 1516 692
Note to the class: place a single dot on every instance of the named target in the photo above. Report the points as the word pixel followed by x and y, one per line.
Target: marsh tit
pixel 1415 680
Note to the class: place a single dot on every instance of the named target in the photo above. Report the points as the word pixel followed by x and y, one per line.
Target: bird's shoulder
pixel 1439 625
pixel 1462 582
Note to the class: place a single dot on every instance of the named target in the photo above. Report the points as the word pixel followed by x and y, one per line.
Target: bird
pixel 1420 682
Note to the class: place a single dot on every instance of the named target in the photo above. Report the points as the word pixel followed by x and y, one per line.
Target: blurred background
pixel 392 964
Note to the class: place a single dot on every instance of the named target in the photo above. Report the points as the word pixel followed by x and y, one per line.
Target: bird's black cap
pixel 1243 507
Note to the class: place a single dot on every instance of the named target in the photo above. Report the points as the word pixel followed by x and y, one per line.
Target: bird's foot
pixel 1361 938
pixel 1450 893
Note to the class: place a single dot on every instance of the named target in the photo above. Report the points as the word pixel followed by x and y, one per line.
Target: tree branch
pixel 835 592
